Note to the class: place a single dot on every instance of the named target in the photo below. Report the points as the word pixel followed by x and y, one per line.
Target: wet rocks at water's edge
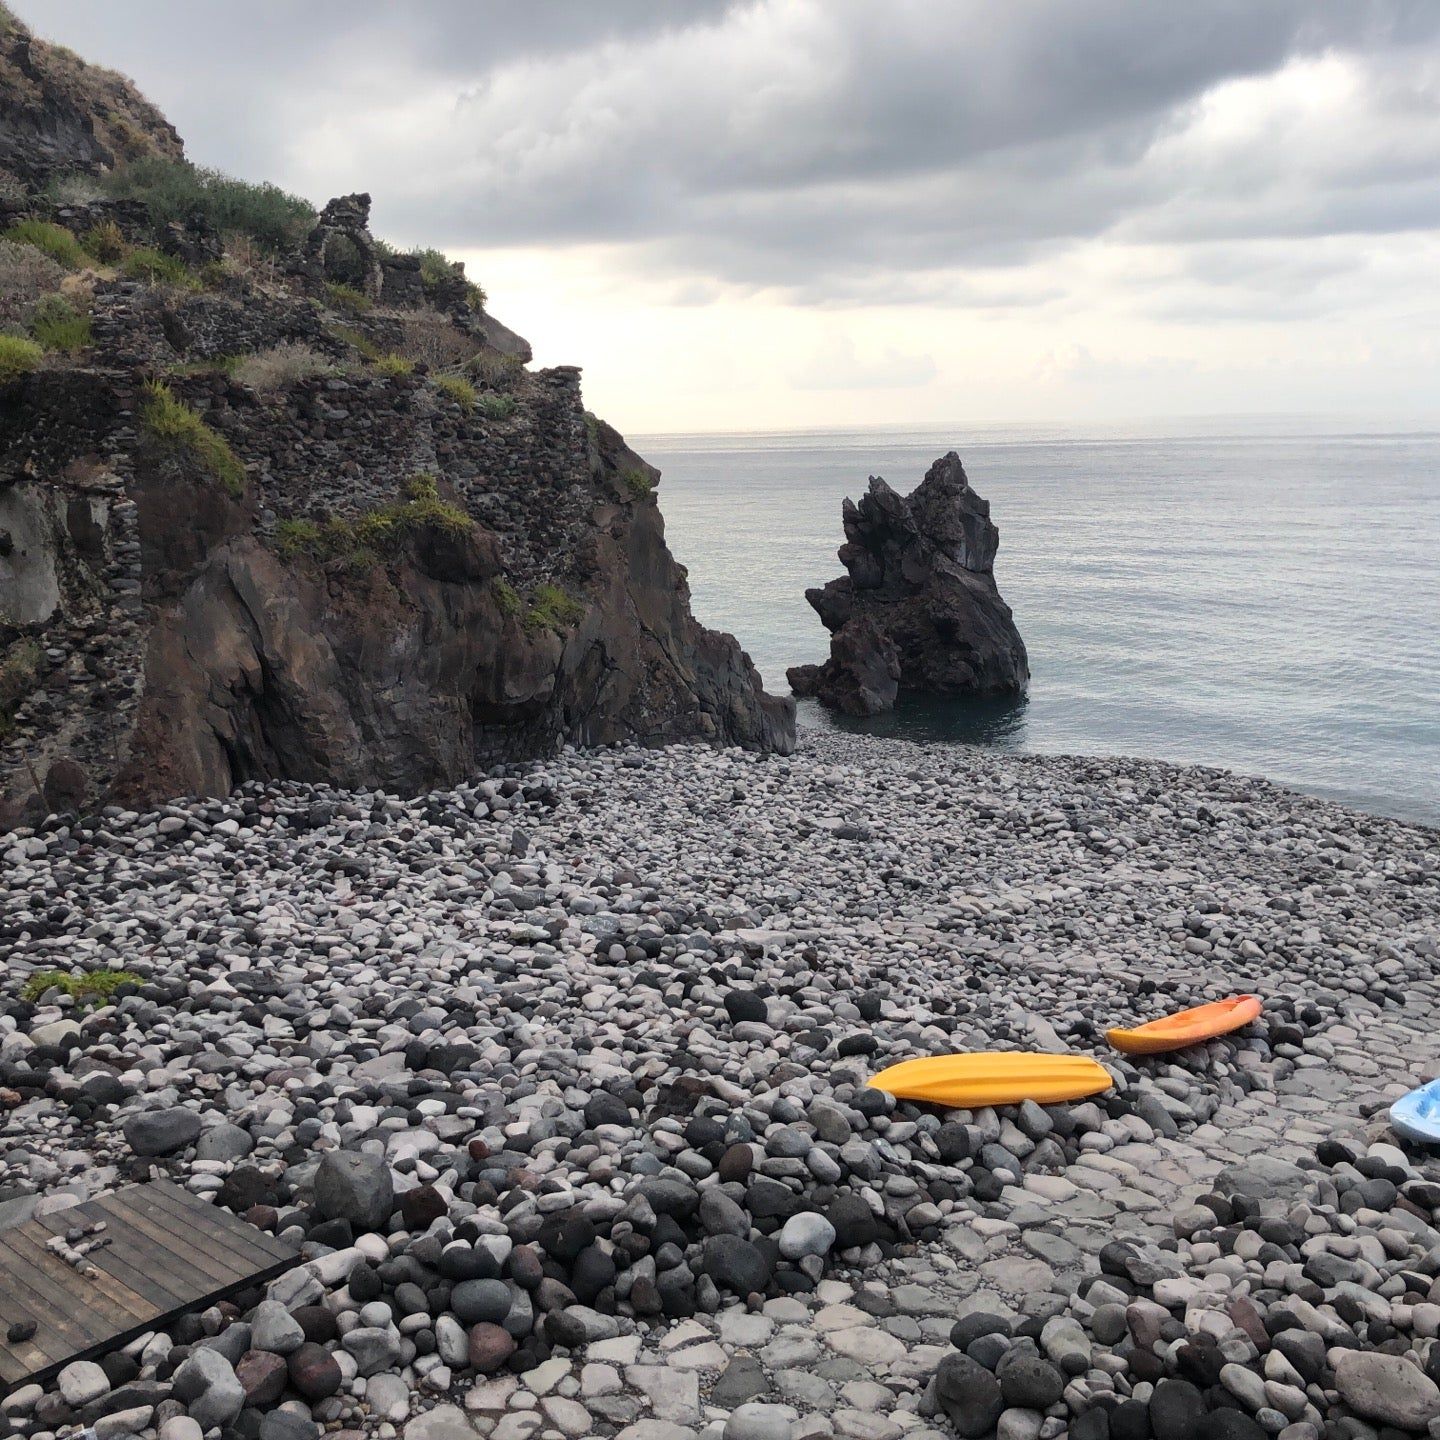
pixel 557 1082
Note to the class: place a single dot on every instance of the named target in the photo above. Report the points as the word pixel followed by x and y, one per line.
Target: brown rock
pixel 422 1206
pixel 263 1375
pixel 314 1371
pixel 490 1347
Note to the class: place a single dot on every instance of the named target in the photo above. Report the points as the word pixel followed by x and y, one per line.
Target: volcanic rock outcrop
pixel 306 514
pixel 919 612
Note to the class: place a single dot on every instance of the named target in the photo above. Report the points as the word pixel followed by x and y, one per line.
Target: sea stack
pixel 919 612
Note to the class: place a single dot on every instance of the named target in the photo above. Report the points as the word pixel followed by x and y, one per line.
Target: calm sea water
pixel 1263 596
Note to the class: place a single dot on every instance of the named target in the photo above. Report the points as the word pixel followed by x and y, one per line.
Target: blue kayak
pixel 1416 1116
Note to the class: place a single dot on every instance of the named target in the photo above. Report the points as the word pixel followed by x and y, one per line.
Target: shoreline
pixel 612 1015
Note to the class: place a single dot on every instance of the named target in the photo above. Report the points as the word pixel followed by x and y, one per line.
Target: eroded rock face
pixel 389 587
pixel 199 653
pixel 59 115
pixel 919 611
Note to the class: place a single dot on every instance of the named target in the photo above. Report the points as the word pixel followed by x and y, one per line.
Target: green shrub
pixel 368 349
pixel 394 365
pixel 459 389
pixel 552 609
pixel 347 297
pixel 18 356
pixel 507 598
pixel 158 269
pixel 175 190
pixel 496 407
pixel 105 242
pixel 49 239
pixel 179 428
pixel 359 543
pixel 637 482
pixel 96 985
pixel 57 325
pixel 437 269
pixel 294 537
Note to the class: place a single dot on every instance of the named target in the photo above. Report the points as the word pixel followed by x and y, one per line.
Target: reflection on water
pixel 999 722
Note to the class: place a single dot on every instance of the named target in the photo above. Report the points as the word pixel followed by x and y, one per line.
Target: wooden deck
pixel 169 1252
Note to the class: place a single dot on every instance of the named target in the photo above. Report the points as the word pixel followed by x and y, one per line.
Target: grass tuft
pixel 394 365
pixel 362 541
pixel 97 985
pixel 175 425
pixel 105 242
pixel 357 340
pixel 459 389
pixel 347 297
pixel 18 356
pixel 57 325
pixel 552 609
pixel 50 239
pixel 507 598
pixel 637 482
pixel 158 269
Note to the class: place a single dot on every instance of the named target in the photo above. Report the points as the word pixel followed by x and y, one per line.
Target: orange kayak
pixel 1189 1027
pixel 968 1081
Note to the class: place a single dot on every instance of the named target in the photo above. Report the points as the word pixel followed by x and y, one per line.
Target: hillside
pixel 277 501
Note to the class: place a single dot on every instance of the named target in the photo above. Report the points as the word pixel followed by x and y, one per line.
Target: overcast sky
pixel 784 213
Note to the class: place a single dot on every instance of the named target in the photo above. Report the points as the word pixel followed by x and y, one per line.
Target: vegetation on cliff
pixel 408 561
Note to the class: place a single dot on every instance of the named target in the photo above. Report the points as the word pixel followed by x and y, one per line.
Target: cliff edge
pixel 278 502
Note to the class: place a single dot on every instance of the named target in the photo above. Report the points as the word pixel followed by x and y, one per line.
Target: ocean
pixel 1262 595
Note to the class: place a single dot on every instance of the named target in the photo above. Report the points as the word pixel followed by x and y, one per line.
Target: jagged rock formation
pixel 918 612
pixel 59 116
pixel 333 563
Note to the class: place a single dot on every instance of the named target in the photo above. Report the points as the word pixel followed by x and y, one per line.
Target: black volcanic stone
pixel 481 1301
pixel 736 1265
pixel 1176 1409
pixel 969 1394
pixel 970 1327
pixel 565 1235
pixel 593 1271
pixel 603 1108
pixel 1229 1424
pixel 744 1005
pixel 465 1262
pixel 1030 1382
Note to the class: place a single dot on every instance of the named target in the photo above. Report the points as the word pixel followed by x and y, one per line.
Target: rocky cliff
pixel 300 510
pixel 60 116
pixel 919 611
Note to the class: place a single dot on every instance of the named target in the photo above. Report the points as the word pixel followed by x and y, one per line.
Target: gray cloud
pixel 839 152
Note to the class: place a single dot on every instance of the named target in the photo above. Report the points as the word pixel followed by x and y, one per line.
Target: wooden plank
pixel 191 1256
pixel 27 1355
pixel 135 1268
pixel 170 1252
pixel 101 1311
pixel 239 1235
pixel 46 1294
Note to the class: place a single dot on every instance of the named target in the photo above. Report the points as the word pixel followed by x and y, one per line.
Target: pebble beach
pixel 557 1082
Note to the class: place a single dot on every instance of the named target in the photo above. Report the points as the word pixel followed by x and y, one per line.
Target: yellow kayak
pixel 1188 1027
pixel 965 1082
